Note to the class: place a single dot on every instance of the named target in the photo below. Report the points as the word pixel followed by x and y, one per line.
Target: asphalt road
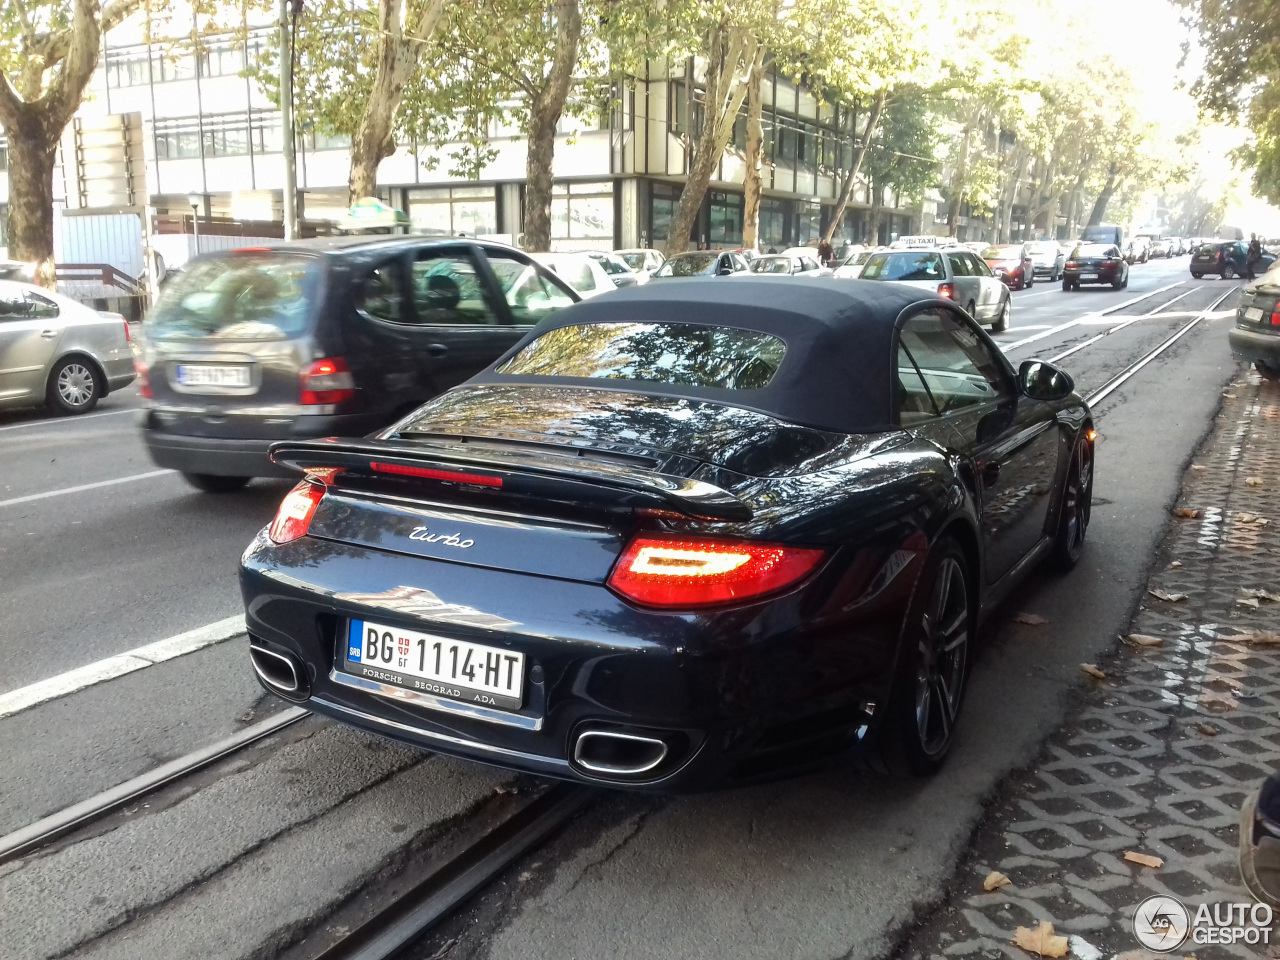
pixel 829 865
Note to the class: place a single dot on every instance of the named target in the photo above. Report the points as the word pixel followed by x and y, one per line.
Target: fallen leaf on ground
pixel 1041 941
pixel 1144 640
pixel 1170 597
pixel 1032 619
pixel 1186 512
pixel 1247 602
pixel 1218 705
pixel 1144 859
pixel 1092 670
pixel 1260 638
pixel 1176 563
pixel 1229 396
pixel 1254 481
pixel 1208 729
pixel 995 880
pixel 1196 466
pixel 1251 518
pixel 1257 593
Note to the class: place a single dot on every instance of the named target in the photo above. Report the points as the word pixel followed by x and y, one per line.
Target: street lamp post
pixel 195 200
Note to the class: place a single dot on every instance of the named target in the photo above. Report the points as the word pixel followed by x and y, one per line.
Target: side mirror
pixel 1041 380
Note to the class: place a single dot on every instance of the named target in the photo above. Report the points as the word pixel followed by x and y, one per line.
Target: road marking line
pixel 1028 296
pixel 1084 317
pixel 138 658
pixel 52 421
pixel 84 486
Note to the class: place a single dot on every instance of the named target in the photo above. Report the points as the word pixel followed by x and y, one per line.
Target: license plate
pixel 441 666
pixel 1254 314
pixel 209 375
pixel 1088 276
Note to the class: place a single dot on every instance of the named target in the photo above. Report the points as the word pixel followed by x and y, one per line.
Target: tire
pixel 1198 276
pixel 74 386
pixel 1002 319
pixel 1066 286
pixel 1077 505
pixel 933 668
pixel 213 483
pixel 1267 371
pixel 1228 272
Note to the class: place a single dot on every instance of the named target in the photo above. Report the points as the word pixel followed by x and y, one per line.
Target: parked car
pixel 799 265
pixel 1177 246
pixel 1012 263
pixel 642 260
pixel 1159 247
pixel 955 274
pixel 1096 263
pixel 1047 259
pixel 703 263
pixel 588 276
pixel 691 535
pixel 1227 259
pixel 17 270
pixel 317 338
pixel 617 269
pixel 1135 251
pixel 57 352
pixel 1256 335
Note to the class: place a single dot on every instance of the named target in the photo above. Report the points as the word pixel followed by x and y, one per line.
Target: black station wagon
pixel 323 337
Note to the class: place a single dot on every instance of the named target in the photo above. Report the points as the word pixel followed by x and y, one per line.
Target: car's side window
pixel 447 291
pixel 580 275
pixel 959 265
pixel 382 293
pixel 977 266
pixel 914 402
pixel 530 295
pixel 956 365
pixel 39 308
pixel 13 307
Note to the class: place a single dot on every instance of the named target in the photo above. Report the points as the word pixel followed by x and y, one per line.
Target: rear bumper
pixel 1103 276
pixel 1251 346
pixel 742 695
pixel 235 457
pixel 1046 269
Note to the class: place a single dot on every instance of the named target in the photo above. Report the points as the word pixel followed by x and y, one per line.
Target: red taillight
pixel 456 476
pixel 1071 265
pixel 947 290
pixel 1219 254
pixel 295 513
pixel 144 381
pixel 1275 316
pixel 327 381
pixel 128 337
pixel 673 571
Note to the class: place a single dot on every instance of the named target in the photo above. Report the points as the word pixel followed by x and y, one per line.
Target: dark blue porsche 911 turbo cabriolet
pixel 690 534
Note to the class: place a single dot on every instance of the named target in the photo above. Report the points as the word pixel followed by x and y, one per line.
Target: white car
pixel 851 269
pixel 802 264
pixel 580 271
pixel 953 273
pixel 643 260
pixel 618 271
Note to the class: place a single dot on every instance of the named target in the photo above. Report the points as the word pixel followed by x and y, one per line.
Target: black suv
pixel 319 338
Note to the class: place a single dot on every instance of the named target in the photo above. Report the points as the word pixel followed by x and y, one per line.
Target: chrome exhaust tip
pixel 280 673
pixel 613 754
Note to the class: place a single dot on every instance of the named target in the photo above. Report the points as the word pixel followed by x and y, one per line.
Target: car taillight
pixel 327 381
pixel 1275 316
pixel 144 381
pixel 673 571
pixel 295 513
pixel 1071 265
pixel 1219 254
pixel 947 290
pixel 128 337
pixel 430 473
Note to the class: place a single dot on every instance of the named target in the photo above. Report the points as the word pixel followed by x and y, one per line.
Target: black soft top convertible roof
pixel 839 367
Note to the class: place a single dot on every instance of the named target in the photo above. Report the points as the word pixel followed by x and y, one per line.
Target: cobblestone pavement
pixel 1159 755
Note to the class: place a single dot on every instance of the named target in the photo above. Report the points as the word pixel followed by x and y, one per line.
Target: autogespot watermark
pixel 1164 923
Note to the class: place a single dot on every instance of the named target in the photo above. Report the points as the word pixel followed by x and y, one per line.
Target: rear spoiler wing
pixel 524 472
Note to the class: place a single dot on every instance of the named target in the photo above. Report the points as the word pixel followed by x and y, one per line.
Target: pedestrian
pixel 1260 842
pixel 1253 256
pixel 825 253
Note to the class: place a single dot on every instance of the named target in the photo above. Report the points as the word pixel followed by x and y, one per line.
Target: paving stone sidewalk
pixel 1160 754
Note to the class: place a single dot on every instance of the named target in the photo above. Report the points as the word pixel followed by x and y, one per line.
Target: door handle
pixel 990 473
pixel 437 350
pixel 48 334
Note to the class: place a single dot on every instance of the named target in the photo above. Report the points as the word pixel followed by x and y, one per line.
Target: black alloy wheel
pixel 1198 276
pixel 1228 271
pixel 929 690
pixel 74 386
pixel 1077 504
pixel 213 483
pixel 1002 319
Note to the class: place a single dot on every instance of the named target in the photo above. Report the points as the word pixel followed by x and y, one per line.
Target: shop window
pixel 453 211
pixel 726 218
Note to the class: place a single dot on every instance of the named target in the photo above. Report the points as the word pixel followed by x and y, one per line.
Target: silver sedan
pixel 56 351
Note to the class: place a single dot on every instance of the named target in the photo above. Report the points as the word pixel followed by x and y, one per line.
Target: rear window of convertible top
pixel 684 354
